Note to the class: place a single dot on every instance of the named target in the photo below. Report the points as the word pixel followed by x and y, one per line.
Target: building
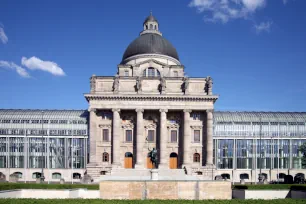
pixel 151 103
pixel 33 142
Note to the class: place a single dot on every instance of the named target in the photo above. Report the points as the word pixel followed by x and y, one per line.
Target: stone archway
pixel 128 160
pixel 173 161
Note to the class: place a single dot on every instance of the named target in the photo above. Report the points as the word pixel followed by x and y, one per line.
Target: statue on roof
pixel 116 83
pixel 138 84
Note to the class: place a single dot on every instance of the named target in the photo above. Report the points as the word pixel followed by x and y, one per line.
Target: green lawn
pixel 96 201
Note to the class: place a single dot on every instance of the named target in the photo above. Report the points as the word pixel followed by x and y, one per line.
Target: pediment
pixel 149 61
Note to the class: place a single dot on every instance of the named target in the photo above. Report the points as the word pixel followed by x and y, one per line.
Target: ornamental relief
pixel 150 126
pixel 196 127
pixel 173 126
pixel 105 126
pixel 128 126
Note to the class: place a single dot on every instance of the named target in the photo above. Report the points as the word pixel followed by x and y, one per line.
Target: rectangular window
pixel 175 73
pixel 173 136
pixel 128 135
pixel 197 136
pixel 126 73
pixel 150 135
pixel 105 135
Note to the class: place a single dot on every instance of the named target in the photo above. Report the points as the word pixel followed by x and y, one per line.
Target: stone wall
pixel 191 190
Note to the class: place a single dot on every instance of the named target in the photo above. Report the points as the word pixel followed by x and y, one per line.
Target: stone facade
pixel 165 190
pixel 150 103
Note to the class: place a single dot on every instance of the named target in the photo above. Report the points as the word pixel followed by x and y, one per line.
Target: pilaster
pixel 92 135
pixel 140 141
pixel 163 139
pixel 187 138
pixel 116 138
pixel 209 141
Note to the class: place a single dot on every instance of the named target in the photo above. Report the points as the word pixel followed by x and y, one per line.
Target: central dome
pixel 150 43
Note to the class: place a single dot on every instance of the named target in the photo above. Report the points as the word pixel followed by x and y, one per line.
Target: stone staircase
pixel 96 171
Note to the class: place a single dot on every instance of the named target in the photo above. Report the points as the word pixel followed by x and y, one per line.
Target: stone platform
pixel 145 174
pixel 162 189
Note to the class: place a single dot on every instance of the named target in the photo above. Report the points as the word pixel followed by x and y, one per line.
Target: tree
pixel 303 151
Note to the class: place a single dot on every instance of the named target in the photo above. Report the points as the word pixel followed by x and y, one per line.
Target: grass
pixel 99 201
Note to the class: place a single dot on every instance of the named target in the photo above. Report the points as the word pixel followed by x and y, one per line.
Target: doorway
pixel 128 160
pixel 173 161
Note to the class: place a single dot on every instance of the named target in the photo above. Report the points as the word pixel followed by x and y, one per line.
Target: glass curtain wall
pixel 244 154
pixel 225 154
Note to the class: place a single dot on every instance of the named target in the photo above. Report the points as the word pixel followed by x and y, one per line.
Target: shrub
pixel 12 186
pixel 272 187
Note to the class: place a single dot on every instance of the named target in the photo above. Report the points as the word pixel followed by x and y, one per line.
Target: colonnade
pixel 163 162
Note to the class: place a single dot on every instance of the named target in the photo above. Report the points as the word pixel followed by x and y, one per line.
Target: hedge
pixel 272 187
pixel 11 186
pixel 98 201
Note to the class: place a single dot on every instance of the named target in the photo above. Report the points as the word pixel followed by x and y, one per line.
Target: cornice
pixel 92 97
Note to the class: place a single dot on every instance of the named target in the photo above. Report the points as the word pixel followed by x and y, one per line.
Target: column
pixel 164 157
pixel 116 137
pixel 209 140
pixel 92 136
pixel 140 139
pixel 187 138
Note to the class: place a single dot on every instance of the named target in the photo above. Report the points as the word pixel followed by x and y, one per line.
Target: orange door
pixel 173 163
pixel 149 163
pixel 128 162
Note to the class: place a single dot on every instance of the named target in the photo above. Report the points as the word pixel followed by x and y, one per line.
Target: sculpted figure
pixel 153 156
pixel 162 84
pixel 186 84
pixel 116 84
pixel 93 83
pixel 209 84
pixel 138 83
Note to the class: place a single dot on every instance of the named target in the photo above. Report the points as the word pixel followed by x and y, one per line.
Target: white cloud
pixel 225 10
pixel 263 27
pixel 3 37
pixel 35 63
pixel 11 65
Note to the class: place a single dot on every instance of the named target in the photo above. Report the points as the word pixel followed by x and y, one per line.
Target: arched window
pixel 76 176
pixel 56 176
pixel 2 176
pixel 282 175
pixel 19 174
pixel 151 26
pixel 105 157
pixel 196 157
pixel 226 176
pixel 155 27
pixel 151 72
pixel 264 175
pixel 244 176
pixel 36 175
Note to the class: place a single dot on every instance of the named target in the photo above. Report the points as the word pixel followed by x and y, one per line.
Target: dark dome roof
pixel 150 43
pixel 151 19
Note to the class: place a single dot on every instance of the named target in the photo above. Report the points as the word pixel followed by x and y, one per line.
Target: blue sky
pixel 255 50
